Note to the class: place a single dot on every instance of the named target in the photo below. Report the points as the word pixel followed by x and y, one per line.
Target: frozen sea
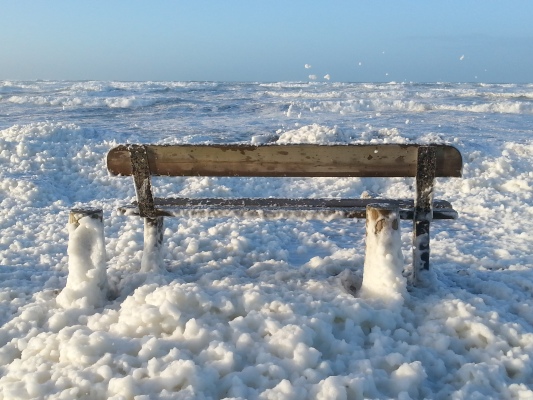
pixel 255 309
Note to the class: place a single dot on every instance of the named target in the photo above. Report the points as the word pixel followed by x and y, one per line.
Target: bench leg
pixel 382 274
pixel 153 240
pixel 87 278
pixel 420 249
pixel 425 177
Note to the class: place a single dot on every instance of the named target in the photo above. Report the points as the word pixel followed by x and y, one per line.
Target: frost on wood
pixel 87 280
pixel 382 276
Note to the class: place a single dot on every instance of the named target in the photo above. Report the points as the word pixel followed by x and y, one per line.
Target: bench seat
pixel 275 208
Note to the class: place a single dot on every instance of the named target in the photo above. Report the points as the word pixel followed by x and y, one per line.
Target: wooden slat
pixel 388 160
pixel 283 208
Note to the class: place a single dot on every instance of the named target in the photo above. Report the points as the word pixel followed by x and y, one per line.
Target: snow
pixel 251 308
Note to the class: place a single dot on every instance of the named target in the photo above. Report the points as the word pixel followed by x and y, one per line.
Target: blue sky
pixel 247 40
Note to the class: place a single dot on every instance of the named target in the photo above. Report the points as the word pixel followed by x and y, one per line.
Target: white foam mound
pixel 87 281
pixel 313 133
pixel 382 276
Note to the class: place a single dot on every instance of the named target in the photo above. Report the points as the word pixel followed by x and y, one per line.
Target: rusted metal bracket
pixel 423 210
pixel 141 179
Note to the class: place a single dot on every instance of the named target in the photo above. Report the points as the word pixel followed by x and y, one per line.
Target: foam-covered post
pixel 153 241
pixel 87 279
pixel 423 214
pixel 382 275
pixel 153 224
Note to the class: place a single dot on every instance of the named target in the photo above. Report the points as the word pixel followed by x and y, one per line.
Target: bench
pixel 423 162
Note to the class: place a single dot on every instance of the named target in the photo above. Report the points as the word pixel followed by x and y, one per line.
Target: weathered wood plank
pixel 387 160
pixel 78 213
pixel 275 208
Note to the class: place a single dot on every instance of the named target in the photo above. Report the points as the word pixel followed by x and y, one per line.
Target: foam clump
pixel 87 281
pixel 382 276
pixel 313 133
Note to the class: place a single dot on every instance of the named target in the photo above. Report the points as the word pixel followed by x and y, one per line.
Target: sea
pixel 197 112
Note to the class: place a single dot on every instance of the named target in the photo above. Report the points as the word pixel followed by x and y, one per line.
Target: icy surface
pixel 253 309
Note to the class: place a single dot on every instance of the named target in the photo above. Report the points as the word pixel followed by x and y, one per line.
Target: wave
pixel 411 106
pixel 75 101
pixel 338 97
pixel 516 106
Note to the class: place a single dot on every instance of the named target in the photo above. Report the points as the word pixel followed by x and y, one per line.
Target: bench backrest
pixel 290 160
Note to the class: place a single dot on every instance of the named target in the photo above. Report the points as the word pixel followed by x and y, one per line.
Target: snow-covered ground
pixel 255 309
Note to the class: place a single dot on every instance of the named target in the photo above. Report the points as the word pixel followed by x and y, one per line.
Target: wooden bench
pixel 423 162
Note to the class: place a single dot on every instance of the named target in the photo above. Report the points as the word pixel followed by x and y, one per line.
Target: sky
pixel 266 41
